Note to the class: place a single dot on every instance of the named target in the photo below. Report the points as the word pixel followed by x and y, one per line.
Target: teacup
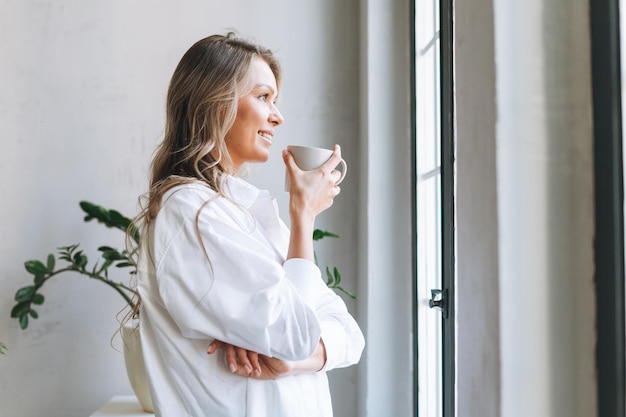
pixel 308 158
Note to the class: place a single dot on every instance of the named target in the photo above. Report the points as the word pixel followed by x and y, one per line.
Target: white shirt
pixel 243 292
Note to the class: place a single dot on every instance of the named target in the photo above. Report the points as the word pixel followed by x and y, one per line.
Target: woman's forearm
pixel 301 239
pixel 314 362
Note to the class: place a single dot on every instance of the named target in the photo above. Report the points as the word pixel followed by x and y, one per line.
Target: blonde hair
pixel 201 107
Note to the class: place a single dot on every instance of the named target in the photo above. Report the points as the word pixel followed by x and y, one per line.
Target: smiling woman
pixel 235 318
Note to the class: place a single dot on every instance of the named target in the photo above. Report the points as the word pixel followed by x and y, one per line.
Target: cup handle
pixel 344 171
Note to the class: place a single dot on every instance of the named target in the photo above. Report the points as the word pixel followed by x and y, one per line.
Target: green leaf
pixel 118 220
pixel 320 234
pixel 124 264
pixel 113 255
pixel 80 259
pixel 24 293
pixel 39 279
pixel 33 314
pixel 110 218
pixel 76 257
pixel 51 262
pixel 20 309
pixel 94 212
pixel 35 267
pixel 105 265
pixel 337 275
pixel 67 251
pixel 38 299
pixel 329 278
pixel 348 293
pixel 24 321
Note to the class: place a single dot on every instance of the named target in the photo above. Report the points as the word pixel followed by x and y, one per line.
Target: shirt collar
pixel 241 191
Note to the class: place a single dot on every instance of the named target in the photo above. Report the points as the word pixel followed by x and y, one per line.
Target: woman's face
pixel 250 137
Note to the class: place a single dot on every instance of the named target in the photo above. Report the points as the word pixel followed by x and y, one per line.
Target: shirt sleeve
pixel 231 288
pixel 343 339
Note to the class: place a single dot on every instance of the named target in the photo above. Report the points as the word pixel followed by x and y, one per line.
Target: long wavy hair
pixel 201 107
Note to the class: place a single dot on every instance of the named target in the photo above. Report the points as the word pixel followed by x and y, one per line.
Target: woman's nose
pixel 275 117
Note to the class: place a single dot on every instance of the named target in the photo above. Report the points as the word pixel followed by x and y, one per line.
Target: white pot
pixel 135 365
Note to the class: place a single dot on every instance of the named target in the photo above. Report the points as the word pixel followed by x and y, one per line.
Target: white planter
pixel 135 365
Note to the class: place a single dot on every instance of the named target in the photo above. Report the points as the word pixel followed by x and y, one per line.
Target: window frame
pixel 448 187
pixel 609 206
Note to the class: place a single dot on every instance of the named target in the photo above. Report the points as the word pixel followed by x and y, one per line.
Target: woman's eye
pixel 264 97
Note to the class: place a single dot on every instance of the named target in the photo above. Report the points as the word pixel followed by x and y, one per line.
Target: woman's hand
pixel 310 193
pixel 250 364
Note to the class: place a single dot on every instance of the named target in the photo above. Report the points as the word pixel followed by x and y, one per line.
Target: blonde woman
pixel 217 266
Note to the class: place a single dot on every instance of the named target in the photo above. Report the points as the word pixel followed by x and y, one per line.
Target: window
pixel 434 187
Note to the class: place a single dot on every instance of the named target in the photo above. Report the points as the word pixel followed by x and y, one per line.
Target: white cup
pixel 308 158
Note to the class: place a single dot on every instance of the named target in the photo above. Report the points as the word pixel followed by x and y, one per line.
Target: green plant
pixel 3 349
pixel 75 260
pixel 333 280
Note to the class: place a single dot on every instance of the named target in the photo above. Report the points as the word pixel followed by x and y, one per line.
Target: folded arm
pixel 254 365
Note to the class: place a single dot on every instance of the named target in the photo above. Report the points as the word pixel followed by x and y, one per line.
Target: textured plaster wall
pixel 545 208
pixel 526 309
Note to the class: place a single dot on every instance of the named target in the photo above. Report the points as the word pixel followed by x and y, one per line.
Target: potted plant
pixel 72 259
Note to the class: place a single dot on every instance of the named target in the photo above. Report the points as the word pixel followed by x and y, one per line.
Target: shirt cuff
pixel 332 334
pixel 307 279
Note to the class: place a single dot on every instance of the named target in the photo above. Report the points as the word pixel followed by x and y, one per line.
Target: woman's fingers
pixel 254 361
pixel 333 161
pixel 231 357
pixel 250 364
pixel 242 357
pixel 215 345
pixel 239 360
pixel 290 163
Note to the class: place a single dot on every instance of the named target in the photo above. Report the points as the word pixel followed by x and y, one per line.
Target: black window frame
pixel 609 206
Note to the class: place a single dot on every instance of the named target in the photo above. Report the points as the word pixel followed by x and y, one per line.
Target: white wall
pixel 81 110
pixel 540 359
pixel 545 188
pixel 385 243
pixel 478 365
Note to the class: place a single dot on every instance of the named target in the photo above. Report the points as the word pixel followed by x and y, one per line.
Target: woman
pixel 217 266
